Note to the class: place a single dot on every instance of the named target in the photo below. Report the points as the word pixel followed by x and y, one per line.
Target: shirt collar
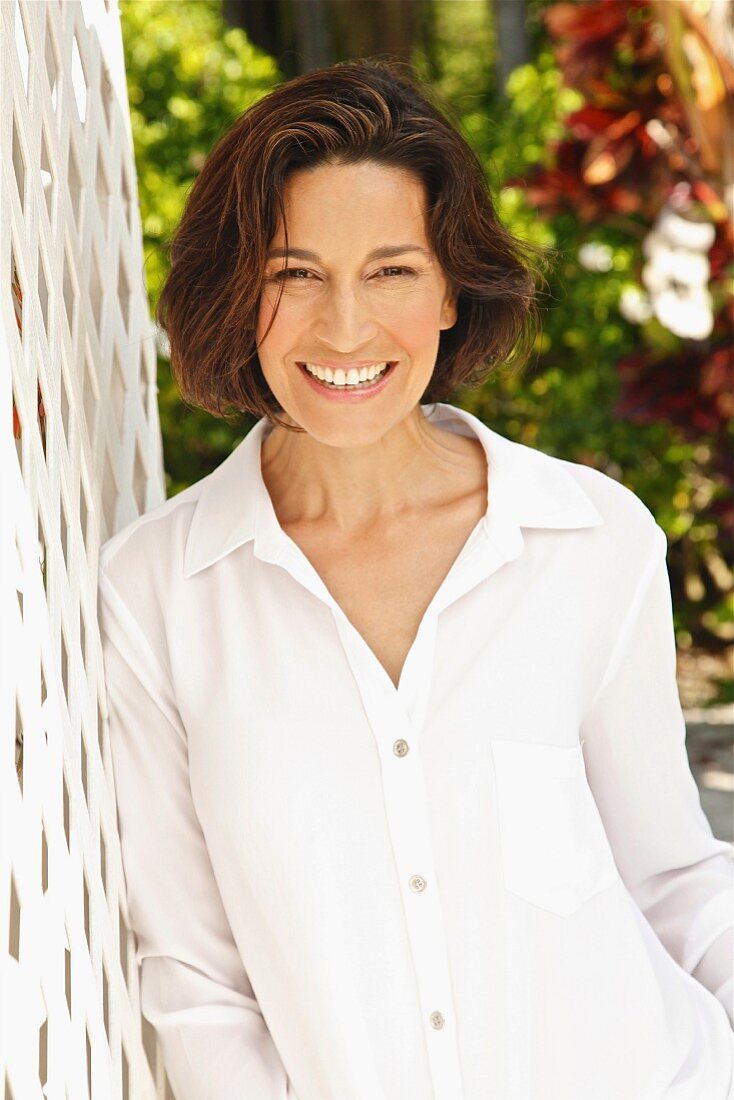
pixel 527 488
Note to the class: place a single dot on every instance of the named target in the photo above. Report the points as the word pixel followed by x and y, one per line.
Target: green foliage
pixel 460 67
pixel 563 400
pixel 189 78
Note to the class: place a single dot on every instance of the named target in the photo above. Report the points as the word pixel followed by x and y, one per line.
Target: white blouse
pixel 495 882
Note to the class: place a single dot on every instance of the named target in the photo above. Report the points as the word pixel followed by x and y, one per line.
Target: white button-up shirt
pixel 493 882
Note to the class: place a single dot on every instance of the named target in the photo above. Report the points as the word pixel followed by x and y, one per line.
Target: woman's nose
pixel 344 320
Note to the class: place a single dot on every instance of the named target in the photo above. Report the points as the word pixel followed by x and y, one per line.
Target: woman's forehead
pixel 381 207
pixel 353 184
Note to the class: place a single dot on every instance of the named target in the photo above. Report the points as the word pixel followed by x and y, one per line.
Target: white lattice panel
pixel 83 457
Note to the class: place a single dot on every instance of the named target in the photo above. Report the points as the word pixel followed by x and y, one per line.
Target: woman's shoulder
pixel 153 534
pixel 614 500
pixel 625 518
pixel 629 527
pixel 164 538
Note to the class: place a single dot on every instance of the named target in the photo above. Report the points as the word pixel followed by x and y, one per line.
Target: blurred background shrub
pixel 605 131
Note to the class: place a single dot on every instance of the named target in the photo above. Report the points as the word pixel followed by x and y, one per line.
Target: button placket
pixel 407 811
pixel 396 719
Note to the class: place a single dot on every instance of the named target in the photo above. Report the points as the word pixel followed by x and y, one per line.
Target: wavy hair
pixel 370 109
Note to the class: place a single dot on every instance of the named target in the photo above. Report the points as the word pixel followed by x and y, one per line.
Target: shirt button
pixel 437 1020
pixel 417 883
pixel 400 747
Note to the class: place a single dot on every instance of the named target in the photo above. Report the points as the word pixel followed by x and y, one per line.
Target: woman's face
pixel 361 287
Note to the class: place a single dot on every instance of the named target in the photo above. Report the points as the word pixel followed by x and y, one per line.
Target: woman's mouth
pixel 348 383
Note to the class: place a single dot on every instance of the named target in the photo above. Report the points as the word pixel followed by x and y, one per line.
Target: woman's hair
pixel 353 111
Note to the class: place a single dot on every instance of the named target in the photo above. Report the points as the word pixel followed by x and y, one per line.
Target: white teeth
pixel 352 377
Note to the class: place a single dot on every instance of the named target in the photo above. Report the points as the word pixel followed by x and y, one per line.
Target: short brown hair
pixel 370 109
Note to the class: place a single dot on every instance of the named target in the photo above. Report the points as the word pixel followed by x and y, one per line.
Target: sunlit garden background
pixel 605 129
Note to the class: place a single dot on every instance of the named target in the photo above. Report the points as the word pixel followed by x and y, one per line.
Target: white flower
pixel 675 266
pixel 677 273
pixel 687 313
pixel 595 256
pixel 634 305
pixel 656 275
pixel 654 242
pixel 689 268
pixel 684 233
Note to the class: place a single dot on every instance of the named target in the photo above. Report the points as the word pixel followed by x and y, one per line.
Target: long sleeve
pixel 193 987
pixel 679 874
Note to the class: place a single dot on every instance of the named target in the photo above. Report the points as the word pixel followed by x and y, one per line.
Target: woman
pixel 404 801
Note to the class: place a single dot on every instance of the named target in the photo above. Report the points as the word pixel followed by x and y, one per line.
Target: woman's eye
pixel 292 271
pixel 303 275
pixel 400 270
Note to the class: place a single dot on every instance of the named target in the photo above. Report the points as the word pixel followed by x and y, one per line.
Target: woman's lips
pixel 357 392
pixel 358 364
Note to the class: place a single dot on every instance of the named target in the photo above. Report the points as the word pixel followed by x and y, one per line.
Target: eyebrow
pixel 385 253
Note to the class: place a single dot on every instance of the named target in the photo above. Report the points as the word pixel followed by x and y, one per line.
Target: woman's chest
pixel 296 751
pixel 385 581
pixel 267 672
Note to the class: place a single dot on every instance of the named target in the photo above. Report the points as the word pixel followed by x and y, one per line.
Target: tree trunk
pixel 312 25
pixel 309 34
pixel 513 48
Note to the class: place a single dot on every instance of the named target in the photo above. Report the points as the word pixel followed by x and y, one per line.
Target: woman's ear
pixel 449 309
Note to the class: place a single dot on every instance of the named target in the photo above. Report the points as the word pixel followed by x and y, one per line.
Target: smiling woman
pixel 347 326
pixel 404 803
pixel 402 169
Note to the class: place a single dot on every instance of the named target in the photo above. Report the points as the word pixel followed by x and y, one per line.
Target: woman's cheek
pixel 284 317
pixel 415 319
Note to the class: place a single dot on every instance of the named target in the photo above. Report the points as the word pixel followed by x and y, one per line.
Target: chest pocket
pixel 555 852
